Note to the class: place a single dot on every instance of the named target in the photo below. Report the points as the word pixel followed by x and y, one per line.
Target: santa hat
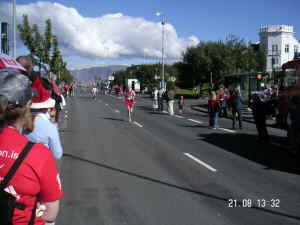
pixel 40 96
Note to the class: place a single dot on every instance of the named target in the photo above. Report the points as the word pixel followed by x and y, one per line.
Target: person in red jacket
pixel 213 110
pixel 36 182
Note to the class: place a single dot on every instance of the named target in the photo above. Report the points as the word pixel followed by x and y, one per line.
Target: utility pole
pixel 163 22
pixel 163 51
pixel 14 30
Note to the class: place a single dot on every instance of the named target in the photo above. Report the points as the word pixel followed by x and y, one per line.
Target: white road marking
pixel 164 111
pixel 196 121
pixel 106 104
pixel 200 162
pixel 181 117
pixel 136 123
pixel 227 130
pixel 117 111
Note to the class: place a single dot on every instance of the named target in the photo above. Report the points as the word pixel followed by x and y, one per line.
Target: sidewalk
pixel 200 105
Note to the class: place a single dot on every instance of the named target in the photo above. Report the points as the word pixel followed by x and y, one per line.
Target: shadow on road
pixel 114 119
pixel 272 156
pixel 195 126
pixel 200 108
pixel 144 108
pixel 149 179
pixel 150 110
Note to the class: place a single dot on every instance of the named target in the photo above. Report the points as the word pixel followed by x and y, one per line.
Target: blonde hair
pixel 213 95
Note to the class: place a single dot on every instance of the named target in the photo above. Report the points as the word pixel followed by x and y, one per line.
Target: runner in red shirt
pixel 129 101
pixel 37 178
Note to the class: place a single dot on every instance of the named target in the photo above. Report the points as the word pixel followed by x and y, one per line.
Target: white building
pixel 280 45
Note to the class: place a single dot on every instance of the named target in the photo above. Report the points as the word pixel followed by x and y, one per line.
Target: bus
pixel 247 82
pixel 292 73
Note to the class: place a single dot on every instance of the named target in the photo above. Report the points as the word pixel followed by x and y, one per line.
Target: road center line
pixel 227 130
pixel 181 117
pixel 200 162
pixel 136 123
pixel 196 121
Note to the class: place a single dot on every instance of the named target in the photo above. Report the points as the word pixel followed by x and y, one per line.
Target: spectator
pixel 44 130
pixel 213 110
pixel 60 102
pixel 161 94
pixel 180 104
pixel 36 180
pixel 223 102
pixel 171 98
pixel 259 114
pixel 236 104
pixel 283 109
pixel 155 99
pixel 294 128
pixel 26 62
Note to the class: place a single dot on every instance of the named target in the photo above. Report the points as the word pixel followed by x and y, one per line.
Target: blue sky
pixel 207 20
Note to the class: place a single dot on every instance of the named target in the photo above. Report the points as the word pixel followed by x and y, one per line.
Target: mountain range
pixel 95 73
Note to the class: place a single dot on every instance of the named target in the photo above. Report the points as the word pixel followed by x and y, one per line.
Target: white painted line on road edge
pixel 181 117
pixel 196 121
pixel 200 162
pixel 136 123
pixel 227 130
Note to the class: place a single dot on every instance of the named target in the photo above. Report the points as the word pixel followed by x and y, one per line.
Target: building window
pixel 287 48
pixel 296 48
pixel 274 48
pixel 274 61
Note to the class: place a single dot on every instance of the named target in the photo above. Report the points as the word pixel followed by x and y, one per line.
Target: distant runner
pixel 94 92
pixel 129 101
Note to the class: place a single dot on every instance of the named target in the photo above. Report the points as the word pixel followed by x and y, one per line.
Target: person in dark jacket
pixel 294 127
pixel 259 114
pixel 236 104
pixel 171 96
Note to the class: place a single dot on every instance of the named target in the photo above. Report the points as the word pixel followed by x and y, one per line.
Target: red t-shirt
pixel 37 174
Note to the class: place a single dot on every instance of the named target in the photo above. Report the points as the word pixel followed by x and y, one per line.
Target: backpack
pixel 8 202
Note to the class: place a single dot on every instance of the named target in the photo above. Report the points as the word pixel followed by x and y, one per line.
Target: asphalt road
pixel 164 170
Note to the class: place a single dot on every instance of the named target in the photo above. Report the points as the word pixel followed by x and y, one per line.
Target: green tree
pixel 37 52
pixel 218 58
pixel 48 38
pixel 56 59
pixel 44 49
pixel 25 34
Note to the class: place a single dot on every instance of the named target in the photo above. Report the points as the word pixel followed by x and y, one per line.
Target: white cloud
pixel 109 36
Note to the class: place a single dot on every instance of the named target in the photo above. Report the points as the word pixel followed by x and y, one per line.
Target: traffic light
pixel 258 76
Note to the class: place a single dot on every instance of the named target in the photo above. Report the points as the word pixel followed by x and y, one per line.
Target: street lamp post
pixel 163 22
pixel 14 30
